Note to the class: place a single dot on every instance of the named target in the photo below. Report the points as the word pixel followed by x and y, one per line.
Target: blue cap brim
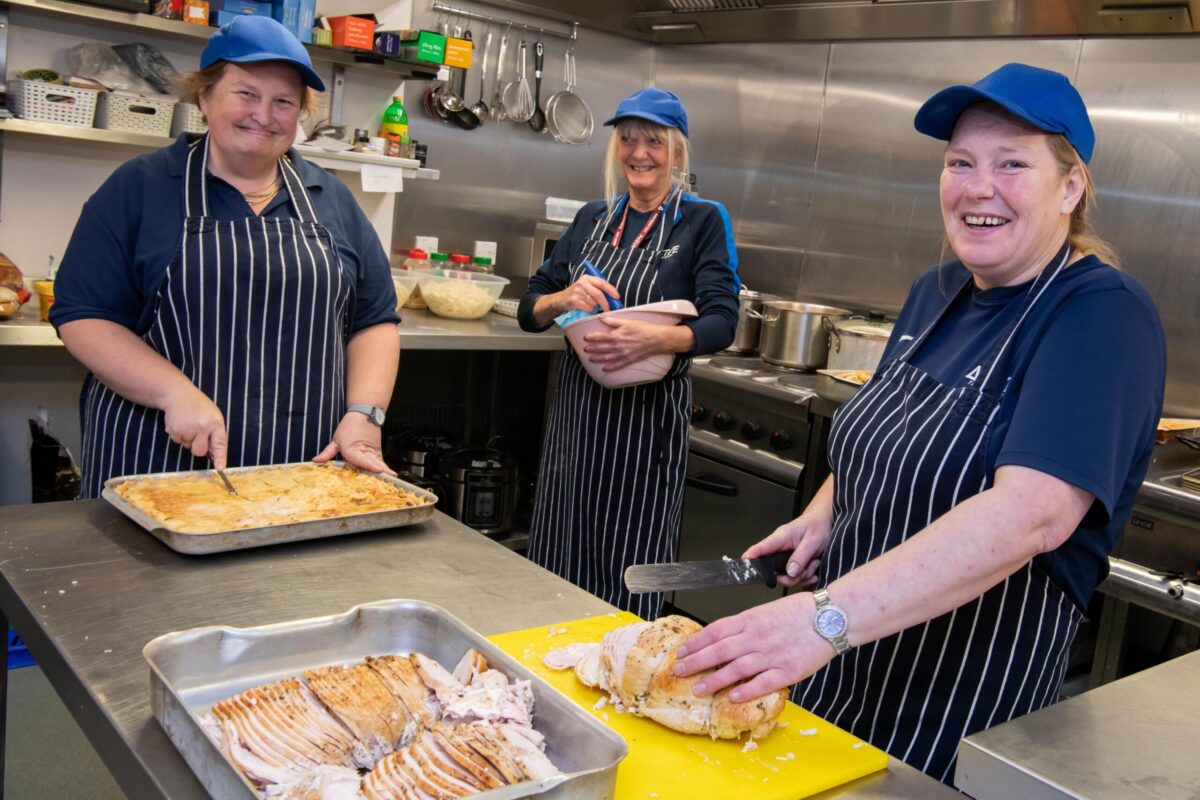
pixel 646 115
pixel 308 75
pixel 940 113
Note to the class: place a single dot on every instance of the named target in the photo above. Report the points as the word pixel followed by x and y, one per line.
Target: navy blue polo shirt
pixel 131 228
pixel 1085 389
pixel 703 269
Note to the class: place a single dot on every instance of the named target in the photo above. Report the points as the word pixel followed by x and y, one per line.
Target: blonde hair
pixel 679 155
pixel 194 85
pixel 1084 240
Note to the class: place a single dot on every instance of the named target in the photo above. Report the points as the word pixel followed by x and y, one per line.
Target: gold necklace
pixel 265 193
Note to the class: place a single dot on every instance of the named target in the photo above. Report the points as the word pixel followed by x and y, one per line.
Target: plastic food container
pixel 45 293
pixel 404 281
pixel 460 295
pixel 648 370
pixel 417 259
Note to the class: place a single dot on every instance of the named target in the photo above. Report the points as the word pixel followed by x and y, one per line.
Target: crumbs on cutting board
pixel 553 631
pixel 807 732
pixel 749 745
pixel 788 757
pixel 857 745
pixel 601 703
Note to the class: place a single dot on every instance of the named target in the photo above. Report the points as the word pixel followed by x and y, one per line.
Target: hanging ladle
pixel 480 109
pixel 538 120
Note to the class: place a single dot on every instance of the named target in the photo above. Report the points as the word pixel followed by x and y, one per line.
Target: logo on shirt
pixel 973 375
pixel 670 251
pixel 905 338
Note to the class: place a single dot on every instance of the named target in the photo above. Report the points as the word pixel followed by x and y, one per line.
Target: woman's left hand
pixel 626 342
pixel 357 439
pixel 765 649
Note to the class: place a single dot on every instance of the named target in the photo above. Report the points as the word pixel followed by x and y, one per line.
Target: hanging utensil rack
pixel 443 8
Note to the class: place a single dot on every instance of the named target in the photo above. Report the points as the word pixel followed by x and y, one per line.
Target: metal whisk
pixel 518 97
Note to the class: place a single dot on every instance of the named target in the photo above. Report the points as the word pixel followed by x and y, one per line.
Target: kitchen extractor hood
pixel 687 21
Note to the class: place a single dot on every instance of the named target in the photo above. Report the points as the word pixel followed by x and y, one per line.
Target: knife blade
pixel 704 574
pixel 225 480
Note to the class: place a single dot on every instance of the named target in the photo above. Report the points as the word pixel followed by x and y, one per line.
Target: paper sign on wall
pixel 380 178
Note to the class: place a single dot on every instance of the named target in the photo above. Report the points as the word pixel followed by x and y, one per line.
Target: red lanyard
pixel 616 241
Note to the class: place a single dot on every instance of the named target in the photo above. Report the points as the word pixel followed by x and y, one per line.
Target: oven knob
pixel 699 412
pixel 751 431
pixel 781 440
pixel 723 420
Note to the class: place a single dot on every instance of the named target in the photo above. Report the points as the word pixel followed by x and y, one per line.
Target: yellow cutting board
pixel 801 757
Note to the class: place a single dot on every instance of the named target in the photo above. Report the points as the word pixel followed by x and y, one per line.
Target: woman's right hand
pixel 585 294
pixel 805 536
pixel 193 420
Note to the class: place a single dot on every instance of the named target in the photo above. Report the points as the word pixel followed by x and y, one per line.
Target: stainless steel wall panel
pixel 1142 95
pixel 754 116
pixel 875 223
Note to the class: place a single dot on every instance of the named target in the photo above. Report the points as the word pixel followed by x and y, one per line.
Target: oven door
pixel 725 510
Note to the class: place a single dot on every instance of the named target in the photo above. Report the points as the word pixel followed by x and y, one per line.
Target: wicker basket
pixel 187 119
pixel 52 102
pixel 121 111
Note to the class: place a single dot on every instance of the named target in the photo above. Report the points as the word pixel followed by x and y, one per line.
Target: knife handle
pixel 775 565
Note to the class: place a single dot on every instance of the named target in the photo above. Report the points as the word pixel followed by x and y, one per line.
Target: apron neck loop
pixel 195 187
pixel 301 202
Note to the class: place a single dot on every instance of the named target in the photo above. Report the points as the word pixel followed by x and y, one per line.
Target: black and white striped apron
pixel 904 451
pixel 256 313
pixel 610 487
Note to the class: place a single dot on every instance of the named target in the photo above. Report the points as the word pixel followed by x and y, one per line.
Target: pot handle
pixel 835 343
pixel 752 314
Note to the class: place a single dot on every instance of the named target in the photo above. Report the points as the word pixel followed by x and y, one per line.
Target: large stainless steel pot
pixel 856 343
pixel 748 324
pixel 793 334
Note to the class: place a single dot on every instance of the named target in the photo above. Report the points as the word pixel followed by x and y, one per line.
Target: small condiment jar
pixel 417 259
pixel 460 261
pixel 482 264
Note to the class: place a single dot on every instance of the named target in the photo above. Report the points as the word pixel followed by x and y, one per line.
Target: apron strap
pixel 301 202
pixel 195 187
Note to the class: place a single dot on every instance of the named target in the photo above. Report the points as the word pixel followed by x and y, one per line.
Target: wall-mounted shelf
pixel 342 162
pixel 187 30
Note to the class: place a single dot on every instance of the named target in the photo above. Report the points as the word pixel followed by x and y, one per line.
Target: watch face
pixel 377 416
pixel 831 622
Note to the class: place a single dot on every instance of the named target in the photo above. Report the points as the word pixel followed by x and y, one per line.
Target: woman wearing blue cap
pixel 610 485
pixel 981 478
pixel 230 300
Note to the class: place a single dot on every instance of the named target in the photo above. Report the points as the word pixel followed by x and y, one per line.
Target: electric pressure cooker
pixel 481 488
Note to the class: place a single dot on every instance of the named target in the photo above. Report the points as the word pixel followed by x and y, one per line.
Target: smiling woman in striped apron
pixel 982 476
pixel 230 300
pixel 610 483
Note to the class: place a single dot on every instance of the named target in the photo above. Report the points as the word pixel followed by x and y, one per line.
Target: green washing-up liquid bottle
pixel 395 119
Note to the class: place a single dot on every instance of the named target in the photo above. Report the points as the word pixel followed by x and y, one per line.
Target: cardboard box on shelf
pixel 427 46
pixel 458 52
pixel 297 16
pixel 387 43
pixel 353 32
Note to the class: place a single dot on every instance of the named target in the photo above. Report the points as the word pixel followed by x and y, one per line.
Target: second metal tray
pixel 245 538
pixel 191 670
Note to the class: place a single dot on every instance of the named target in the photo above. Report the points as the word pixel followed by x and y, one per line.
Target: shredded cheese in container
pixel 457 299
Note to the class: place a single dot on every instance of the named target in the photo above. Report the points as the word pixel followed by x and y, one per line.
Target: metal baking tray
pixel 193 669
pixel 244 538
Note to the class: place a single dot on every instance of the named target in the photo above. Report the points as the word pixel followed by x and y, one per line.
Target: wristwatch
pixel 374 413
pixel 830 622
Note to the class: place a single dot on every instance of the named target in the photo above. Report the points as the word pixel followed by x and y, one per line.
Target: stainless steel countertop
pixel 1129 738
pixel 86 589
pixel 419 330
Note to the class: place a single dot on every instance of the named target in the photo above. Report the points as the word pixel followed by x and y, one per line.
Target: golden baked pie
pixel 270 495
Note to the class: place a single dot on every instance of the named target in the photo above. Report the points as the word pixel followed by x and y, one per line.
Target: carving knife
pixel 704 574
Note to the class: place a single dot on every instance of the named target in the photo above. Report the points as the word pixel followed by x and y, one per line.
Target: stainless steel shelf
pixel 187 30
pixel 342 162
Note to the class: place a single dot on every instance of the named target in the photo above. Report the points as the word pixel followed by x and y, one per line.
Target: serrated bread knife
pixel 704 574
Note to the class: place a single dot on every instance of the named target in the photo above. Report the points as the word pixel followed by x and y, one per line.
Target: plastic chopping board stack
pixel 803 756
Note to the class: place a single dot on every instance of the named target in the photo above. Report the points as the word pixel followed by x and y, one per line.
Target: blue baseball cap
pixel 1041 97
pixel 657 105
pixel 253 37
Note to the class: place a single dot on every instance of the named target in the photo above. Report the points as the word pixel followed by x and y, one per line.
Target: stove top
pixel 753 375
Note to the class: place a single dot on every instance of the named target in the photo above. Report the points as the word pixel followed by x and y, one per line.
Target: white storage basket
pixel 52 102
pixel 122 111
pixel 187 119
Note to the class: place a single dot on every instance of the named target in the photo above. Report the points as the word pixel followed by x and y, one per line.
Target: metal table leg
pixel 1110 641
